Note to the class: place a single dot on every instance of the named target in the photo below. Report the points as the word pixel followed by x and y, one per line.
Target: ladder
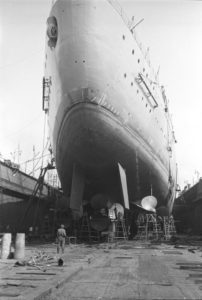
pixel 85 230
pixel 55 215
pixel 46 228
pixel 172 225
pixel 169 227
pixel 142 227
pixel 158 231
pixel 148 227
pixel 154 230
pixel 36 194
pixel 119 231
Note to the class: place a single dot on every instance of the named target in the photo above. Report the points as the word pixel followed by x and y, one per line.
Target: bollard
pixel 19 246
pixel 6 246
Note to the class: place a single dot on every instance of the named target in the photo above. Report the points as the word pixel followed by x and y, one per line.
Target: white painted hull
pixel 98 113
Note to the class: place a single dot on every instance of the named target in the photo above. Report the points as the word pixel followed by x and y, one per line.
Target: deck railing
pixel 130 24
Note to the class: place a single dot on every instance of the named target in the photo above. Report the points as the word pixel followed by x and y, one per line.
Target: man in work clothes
pixel 61 235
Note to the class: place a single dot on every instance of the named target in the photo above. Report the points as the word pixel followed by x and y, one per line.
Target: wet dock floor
pixel 125 270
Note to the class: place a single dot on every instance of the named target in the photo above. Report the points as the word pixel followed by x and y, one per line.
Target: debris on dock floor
pixel 121 270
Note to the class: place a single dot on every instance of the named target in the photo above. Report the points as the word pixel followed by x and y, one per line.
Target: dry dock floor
pixel 122 270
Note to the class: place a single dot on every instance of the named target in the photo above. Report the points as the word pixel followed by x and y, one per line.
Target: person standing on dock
pixel 61 236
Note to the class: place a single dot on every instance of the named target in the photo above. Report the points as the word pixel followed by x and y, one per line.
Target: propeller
pixel 148 203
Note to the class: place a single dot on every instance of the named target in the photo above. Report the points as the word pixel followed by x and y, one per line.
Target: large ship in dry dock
pixel 111 132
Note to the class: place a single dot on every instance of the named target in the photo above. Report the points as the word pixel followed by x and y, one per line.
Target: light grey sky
pixel 171 29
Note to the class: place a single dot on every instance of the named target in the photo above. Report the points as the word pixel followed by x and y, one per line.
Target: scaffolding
pixel 153 227
pixel 118 231
pixel 86 232
pixel 169 227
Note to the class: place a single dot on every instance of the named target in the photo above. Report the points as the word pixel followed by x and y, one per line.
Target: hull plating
pixel 99 111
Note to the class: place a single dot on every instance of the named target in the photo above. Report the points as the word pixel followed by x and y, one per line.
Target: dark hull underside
pixel 92 138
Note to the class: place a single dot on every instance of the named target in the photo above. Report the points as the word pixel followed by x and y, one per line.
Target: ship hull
pixel 99 115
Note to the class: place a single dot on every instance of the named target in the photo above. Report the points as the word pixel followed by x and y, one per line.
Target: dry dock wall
pixel 16 209
pixel 187 210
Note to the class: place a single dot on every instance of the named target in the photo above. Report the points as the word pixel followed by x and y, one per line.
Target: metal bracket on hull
pixel 146 90
pixel 46 93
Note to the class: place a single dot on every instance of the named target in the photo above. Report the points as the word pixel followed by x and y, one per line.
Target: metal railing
pixel 130 24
